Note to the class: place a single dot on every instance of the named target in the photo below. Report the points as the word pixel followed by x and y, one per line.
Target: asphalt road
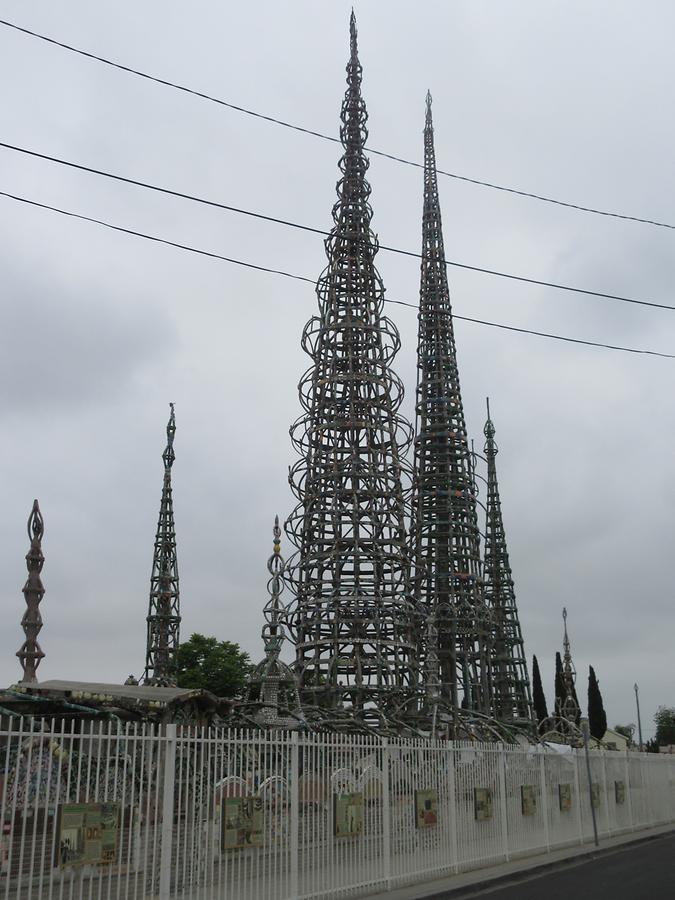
pixel 642 872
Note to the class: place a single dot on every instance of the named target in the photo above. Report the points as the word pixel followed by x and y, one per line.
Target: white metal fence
pixel 131 812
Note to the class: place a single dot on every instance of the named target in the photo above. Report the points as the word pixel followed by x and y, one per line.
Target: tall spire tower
pixel 164 609
pixel 510 682
pixel 444 529
pixel 31 655
pixel 353 617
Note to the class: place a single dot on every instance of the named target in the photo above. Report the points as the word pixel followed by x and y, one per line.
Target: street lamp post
pixel 637 702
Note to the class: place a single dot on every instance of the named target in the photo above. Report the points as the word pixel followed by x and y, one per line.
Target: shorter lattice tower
pixel 164 608
pixel 510 682
pixel 31 654
pixel 272 699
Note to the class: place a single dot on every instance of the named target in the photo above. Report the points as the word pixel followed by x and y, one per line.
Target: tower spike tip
pixel 353 45
pixel 428 111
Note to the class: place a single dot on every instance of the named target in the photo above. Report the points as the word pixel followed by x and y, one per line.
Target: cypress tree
pixel 538 697
pixel 597 717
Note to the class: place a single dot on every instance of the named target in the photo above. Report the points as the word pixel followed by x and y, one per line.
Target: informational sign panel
pixel 619 792
pixel 528 800
pixel 565 797
pixel 243 822
pixel 348 814
pixel 87 834
pixel 426 809
pixel 482 802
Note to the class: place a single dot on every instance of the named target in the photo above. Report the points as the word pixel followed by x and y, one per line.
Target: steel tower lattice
pixel 510 681
pixel 353 616
pixel 445 538
pixel 164 608
pixel 30 654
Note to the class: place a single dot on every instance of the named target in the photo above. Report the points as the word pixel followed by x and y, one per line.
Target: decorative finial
pixel 489 432
pixel 169 456
pixel 353 46
pixel 30 655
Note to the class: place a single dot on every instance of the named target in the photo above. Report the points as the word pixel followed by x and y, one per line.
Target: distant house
pixel 613 741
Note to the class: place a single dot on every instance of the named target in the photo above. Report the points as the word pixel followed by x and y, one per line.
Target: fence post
pixel 577 790
pixel 168 790
pixel 604 777
pixel 544 799
pixel 452 799
pixel 295 814
pixel 386 813
pixel 502 801
pixel 628 793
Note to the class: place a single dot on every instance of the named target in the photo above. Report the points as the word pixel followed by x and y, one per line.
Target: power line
pixel 288 223
pixel 272 271
pixel 326 137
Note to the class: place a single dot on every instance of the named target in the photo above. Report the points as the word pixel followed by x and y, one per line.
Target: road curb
pixel 468 890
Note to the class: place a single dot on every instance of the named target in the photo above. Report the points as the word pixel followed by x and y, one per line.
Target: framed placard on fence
pixel 482 803
pixel 426 809
pixel 243 823
pixel 619 793
pixel 565 797
pixel 348 814
pixel 595 795
pixel 87 834
pixel 528 800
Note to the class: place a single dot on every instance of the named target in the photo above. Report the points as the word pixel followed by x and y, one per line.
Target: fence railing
pixel 100 810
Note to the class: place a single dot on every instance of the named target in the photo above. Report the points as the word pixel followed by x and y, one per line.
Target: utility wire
pixel 248 265
pixel 327 137
pixel 256 215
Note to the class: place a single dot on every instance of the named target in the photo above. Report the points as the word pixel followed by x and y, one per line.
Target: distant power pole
pixel 637 703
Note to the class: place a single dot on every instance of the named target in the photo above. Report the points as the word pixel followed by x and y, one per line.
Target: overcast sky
pixel 99 331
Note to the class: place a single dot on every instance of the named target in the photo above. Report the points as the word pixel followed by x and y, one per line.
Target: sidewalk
pixel 519 869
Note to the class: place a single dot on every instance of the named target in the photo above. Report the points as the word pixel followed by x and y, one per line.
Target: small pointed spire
pixel 571 704
pixel 30 654
pixel 353 34
pixel 169 455
pixel 428 121
pixel 272 698
pixel 489 431
pixel 163 618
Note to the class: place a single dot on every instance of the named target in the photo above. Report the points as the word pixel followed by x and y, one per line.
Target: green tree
pixel 597 717
pixel 627 731
pixel 207 664
pixel 665 725
pixel 538 696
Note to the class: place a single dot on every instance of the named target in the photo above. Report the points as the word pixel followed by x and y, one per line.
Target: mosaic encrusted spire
pixel 164 608
pixel 272 699
pixel 30 654
pixel 510 682
pixel 445 538
pixel 353 617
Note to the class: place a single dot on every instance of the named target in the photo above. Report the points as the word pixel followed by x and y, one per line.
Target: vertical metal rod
pixel 386 813
pixel 168 788
pixel 295 813
pixel 585 732
pixel 502 801
pixel 544 799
